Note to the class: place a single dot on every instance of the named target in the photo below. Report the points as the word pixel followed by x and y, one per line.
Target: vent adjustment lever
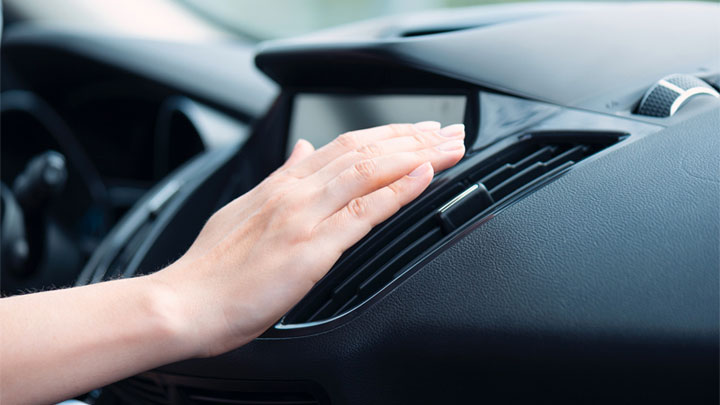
pixel 463 207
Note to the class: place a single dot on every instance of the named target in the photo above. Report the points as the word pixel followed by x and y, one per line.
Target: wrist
pixel 208 319
pixel 170 316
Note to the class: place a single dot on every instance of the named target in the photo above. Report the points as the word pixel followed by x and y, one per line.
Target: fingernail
pixel 427 125
pixel 420 170
pixel 452 130
pixel 451 145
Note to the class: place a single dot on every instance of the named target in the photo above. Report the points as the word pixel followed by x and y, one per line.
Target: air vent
pixel 215 397
pixel 140 390
pixel 131 236
pixel 474 189
pixel 159 389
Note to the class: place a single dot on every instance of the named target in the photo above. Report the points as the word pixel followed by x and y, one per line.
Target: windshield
pixel 268 19
pixel 282 18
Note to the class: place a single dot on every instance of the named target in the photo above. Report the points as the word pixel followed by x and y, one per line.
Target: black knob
pixel 43 177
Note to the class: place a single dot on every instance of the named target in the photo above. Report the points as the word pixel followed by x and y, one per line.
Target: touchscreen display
pixel 320 118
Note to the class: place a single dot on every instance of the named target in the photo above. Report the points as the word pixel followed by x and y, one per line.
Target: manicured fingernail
pixel 427 126
pixel 420 170
pixel 452 130
pixel 451 145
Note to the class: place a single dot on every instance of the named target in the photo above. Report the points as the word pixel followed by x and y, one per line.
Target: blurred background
pixel 118 96
pixel 202 19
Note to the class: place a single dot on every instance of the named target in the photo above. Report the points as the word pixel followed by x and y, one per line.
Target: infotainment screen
pixel 320 118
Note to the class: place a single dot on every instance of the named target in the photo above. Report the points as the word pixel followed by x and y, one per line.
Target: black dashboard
pixel 571 256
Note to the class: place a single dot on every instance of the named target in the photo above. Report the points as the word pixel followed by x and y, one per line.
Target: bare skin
pixel 254 259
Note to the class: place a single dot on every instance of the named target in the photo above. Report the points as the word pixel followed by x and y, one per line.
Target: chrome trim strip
pixel 458 198
pixel 690 93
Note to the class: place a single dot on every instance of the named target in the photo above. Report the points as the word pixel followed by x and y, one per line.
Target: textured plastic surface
pixel 658 101
pixel 601 286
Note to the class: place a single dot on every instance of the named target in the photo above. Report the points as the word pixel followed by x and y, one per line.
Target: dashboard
pixel 571 256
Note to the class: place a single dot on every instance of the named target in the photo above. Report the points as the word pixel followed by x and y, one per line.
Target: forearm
pixel 74 340
pixel 253 260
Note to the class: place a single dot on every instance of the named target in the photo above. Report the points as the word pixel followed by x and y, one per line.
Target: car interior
pixel 572 256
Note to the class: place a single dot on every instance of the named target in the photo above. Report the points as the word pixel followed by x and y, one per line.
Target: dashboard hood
pixel 577 57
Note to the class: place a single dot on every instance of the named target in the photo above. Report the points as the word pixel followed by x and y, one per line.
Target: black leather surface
pixel 601 287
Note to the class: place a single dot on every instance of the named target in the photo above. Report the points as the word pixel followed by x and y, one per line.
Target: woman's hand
pixel 260 254
pixel 252 262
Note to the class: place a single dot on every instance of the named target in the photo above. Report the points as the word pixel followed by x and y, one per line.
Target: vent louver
pixel 122 246
pixel 161 390
pixel 140 390
pixel 475 188
pixel 213 397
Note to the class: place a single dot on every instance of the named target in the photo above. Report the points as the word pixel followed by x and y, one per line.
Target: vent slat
pixel 348 289
pixel 202 400
pixel 354 300
pixel 510 169
pixel 402 258
pixel 506 187
pixel 324 311
pixel 576 153
pixel 386 253
pixel 210 397
pixel 141 390
pixel 535 170
pixel 545 170
pixel 390 270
